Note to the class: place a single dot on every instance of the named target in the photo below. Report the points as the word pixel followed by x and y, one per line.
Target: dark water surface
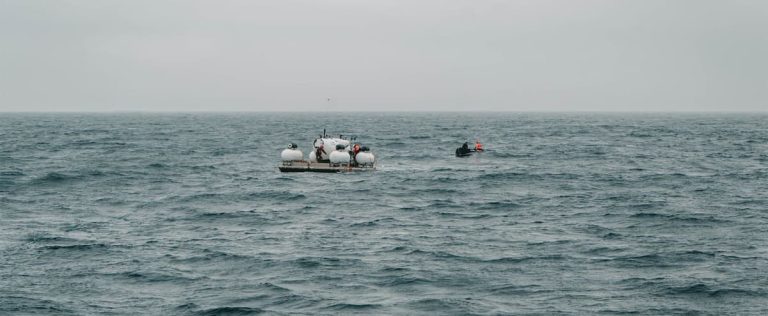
pixel 187 214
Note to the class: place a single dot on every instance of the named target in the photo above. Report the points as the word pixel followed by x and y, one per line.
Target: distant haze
pixel 435 55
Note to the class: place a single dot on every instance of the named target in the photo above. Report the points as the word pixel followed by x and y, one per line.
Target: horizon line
pixel 382 111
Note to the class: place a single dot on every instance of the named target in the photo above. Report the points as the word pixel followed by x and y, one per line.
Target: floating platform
pixel 306 166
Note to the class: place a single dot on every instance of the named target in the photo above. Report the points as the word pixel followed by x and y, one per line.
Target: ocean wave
pixel 277 195
pixel 353 307
pixel 638 261
pixel 436 191
pixel 83 143
pixel 662 259
pixel 157 165
pixel 6 185
pixel 528 259
pixel 438 254
pixel 375 222
pixel 153 277
pixel 496 205
pixel 512 289
pixel 209 256
pixel 252 196
pixel 515 154
pixel 701 289
pixel 652 311
pixel 46 238
pixel 411 155
pixel 464 215
pixel 230 311
pixel 315 262
pixel 13 173
pixel 507 176
pixel 397 281
pixel 77 247
pixel 604 251
pixel 28 305
pixel 222 215
pixel 701 219
pixel 445 305
pixel 55 177
pixel 612 235
pixel 394 145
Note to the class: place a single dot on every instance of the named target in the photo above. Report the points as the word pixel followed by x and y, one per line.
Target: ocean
pixel 566 213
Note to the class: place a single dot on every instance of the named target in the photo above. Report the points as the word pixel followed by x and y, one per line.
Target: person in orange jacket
pixel 354 151
pixel 478 145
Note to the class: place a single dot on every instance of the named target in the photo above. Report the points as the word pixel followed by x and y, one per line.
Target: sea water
pixel 580 213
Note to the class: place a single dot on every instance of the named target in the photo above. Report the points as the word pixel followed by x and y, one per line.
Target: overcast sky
pixel 283 55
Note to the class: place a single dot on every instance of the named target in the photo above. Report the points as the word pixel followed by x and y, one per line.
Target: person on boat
pixel 463 150
pixel 478 145
pixel 353 153
pixel 320 150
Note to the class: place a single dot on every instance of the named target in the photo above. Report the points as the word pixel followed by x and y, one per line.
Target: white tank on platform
pixel 365 158
pixel 339 156
pixel 291 153
pixel 312 156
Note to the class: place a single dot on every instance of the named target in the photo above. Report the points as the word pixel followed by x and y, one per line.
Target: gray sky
pixel 597 55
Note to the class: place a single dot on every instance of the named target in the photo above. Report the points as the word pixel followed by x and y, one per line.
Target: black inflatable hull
pixel 461 153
